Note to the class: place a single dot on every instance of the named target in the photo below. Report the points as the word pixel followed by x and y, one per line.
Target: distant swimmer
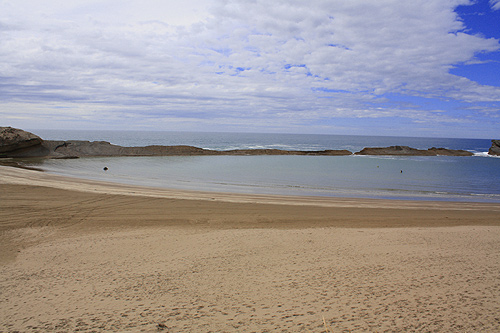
pixel 401 171
pixel 105 168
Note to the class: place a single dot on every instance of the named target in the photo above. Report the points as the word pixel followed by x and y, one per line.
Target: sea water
pixel 475 178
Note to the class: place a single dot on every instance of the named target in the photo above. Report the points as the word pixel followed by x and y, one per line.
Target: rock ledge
pixel 408 151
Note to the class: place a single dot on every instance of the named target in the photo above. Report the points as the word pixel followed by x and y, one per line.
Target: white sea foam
pixel 485 154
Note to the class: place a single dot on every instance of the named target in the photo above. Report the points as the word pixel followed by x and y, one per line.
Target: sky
pixel 427 68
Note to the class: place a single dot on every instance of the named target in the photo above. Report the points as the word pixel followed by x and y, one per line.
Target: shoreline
pixel 36 177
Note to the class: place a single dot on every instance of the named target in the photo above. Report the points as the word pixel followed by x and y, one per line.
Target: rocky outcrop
pixel 102 148
pixel 449 152
pixel 408 151
pixel 16 141
pixel 495 148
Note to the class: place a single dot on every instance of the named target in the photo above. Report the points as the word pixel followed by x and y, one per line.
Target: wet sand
pixel 89 256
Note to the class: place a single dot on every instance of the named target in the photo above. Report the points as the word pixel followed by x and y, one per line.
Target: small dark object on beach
pixel 105 168
pixel 162 326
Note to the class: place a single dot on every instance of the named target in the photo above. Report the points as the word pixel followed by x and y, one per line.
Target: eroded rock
pixel 14 140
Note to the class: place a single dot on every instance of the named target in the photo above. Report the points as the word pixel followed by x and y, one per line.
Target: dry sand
pixel 85 256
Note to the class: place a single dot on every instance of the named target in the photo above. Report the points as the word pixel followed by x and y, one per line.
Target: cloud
pixel 495 4
pixel 256 61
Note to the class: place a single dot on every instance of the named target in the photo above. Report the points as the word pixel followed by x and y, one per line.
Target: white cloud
pixel 253 60
pixel 495 4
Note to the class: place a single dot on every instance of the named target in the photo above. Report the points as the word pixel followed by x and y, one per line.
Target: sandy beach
pixel 79 255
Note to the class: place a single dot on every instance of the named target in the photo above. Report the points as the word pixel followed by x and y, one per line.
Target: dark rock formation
pixel 495 148
pixel 408 151
pixel 16 141
pixel 392 150
pixel 103 148
pixel 448 152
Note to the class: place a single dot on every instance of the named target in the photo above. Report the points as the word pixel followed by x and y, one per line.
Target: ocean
pixel 468 179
